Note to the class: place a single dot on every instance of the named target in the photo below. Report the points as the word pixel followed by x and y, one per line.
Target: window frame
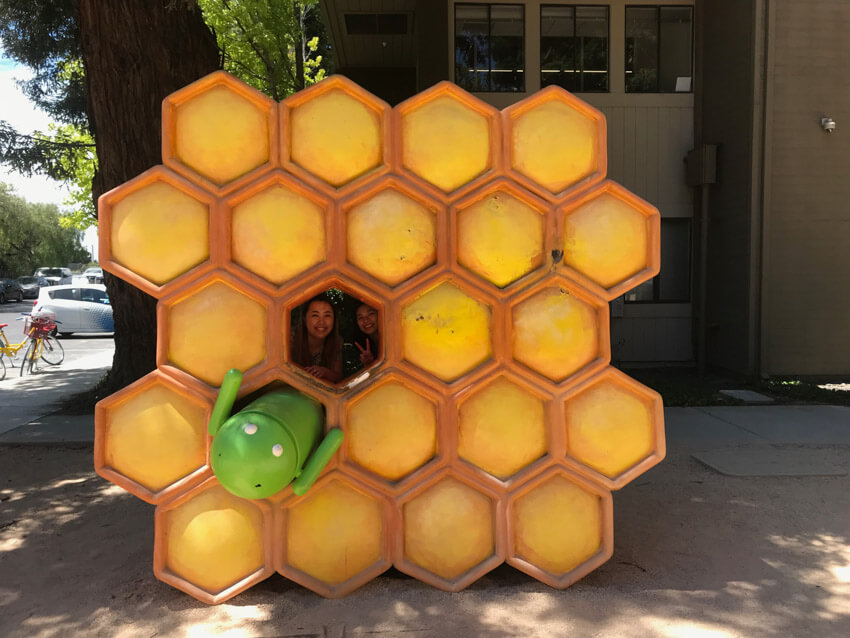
pixel 658 8
pixel 489 6
pixel 573 6
pixel 656 281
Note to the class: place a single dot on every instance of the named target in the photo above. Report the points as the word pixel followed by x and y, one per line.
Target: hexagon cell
pixel 392 431
pixel 608 428
pixel 197 326
pixel 557 525
pixel 391 237
pixel 448 529
pixel 335 533
pixel 278 234
pixel 156 437
pixel 221 134
pixel 554 145
pixel 214 540
pixel 446 332
pixel 606 240
pixel 336 137
pixel 555 333
pixel 160 232
pixel 501 429
pixel 445 142
pixel 500 238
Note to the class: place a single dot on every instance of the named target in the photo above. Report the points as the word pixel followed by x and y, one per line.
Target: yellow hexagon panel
pixel 156 437
pixel 500 238
pixel 222 134
pixel 278 233
pixel 391 430
pixel 557 525
pixel 556 140
pixel 200 329
pixel 555 333
pixel 335 533
pixel 391 236
pixel 501 428
pixel 448 529
pixel 610 427
pixel 446 332
pixel 214 539
pixel 336 136
pixel 611 235
pixel 446 140
pixel 159 232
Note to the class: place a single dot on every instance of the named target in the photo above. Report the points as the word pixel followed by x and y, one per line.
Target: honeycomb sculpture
pixel 492 427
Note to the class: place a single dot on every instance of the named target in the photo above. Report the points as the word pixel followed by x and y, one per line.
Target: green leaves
pixel 273 45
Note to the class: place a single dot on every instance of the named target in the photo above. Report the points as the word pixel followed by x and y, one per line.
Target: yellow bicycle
pixel 38 342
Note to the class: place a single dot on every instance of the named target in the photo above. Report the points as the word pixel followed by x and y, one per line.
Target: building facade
pixel 717 113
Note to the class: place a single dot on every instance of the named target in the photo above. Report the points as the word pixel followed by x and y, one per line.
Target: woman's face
pixel 320 319
pixel 367 319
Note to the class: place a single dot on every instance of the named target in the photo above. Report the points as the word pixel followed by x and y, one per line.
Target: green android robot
pixel 260 450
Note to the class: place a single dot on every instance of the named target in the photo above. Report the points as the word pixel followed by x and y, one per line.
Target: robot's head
pixel 253 455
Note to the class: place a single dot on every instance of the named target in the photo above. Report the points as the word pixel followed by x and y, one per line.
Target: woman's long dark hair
pixel 332 348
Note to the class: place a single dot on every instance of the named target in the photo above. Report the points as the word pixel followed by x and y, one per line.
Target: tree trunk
pixel 300 45
pixel 135 53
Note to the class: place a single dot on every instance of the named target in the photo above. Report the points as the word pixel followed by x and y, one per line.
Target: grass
pixel 684 387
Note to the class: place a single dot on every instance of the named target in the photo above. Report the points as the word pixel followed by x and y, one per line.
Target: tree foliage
pixel 31 237
pixel 276 46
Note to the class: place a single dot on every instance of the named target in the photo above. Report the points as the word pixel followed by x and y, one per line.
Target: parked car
pixel 31 286
pixel 78 308
pixel 10 290
pixel 94 275
pixel 55 276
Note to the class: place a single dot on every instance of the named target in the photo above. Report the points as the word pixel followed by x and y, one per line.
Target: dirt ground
pixel 696 554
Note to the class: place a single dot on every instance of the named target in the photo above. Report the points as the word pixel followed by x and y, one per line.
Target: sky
pixel 16 109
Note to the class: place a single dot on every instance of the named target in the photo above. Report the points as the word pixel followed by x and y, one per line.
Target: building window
pixel 659 49
pixel 673 283
pixel 489 47
pixel 574 47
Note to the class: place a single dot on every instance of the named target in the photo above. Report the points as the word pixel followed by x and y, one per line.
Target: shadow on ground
pixel 696 553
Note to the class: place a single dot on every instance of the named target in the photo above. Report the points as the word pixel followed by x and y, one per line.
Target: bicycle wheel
pixel 30 356
pixel 52 352
pixel 2 368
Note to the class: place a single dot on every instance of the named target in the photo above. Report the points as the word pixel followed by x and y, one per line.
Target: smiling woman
pixel 316 345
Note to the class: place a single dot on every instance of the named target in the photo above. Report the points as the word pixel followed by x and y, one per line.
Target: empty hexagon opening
pixel 222 134
pixel 335 532
pixel 609 427
pixel 155 437
pixel 335 335
pixel 391 236
pixel 278 233
pixel 391 430
pixel 213 540
pixel 446 331
pixel 336 136
pixel 501 428
pixel 215 329
pixel 555 333
pixel 448 529
pixel 159 232
pixel 500 238
pixel 445 141
pixel 557 525
pixel 556 144
pixel 606 239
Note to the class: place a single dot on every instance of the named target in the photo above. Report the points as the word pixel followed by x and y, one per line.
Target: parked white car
pixel 78 308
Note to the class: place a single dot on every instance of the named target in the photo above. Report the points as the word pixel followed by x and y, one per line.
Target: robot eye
pixel 277 450
pixel 250 428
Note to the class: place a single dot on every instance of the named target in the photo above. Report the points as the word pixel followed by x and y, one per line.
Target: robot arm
pixel 317 462
pixel 226 398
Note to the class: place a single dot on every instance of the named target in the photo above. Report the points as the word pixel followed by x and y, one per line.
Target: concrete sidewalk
pixel 747 440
